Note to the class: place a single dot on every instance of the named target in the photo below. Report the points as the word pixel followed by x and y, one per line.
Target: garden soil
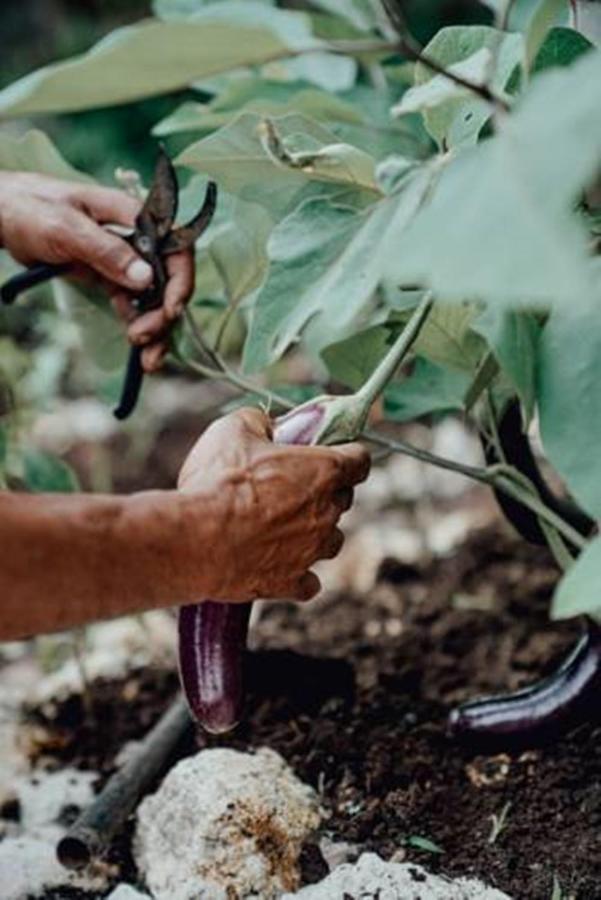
pixel 354 692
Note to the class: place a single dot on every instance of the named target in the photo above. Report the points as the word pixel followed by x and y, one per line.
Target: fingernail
pixel 139 272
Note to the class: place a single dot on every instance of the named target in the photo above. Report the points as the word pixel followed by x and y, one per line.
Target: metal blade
pixel 156 218
pixel 185 237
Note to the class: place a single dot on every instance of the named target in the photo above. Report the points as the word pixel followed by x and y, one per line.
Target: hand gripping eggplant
pixel 154 238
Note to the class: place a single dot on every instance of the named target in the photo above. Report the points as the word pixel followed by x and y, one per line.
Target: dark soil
pixel 354 693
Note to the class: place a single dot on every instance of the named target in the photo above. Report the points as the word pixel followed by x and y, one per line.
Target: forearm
pixel 66 560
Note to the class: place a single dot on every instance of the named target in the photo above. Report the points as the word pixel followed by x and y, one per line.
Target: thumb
pixel 107 254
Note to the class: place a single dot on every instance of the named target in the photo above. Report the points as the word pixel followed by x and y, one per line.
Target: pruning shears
pixel 154 238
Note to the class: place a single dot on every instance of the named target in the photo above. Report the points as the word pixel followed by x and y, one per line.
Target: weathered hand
pixel 275 508
pixel 47 220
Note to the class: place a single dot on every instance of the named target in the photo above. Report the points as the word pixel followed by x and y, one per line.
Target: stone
pixel 225 825
pixel 371 876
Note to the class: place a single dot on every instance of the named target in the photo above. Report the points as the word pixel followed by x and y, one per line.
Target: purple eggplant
pixel 538 714
pixel 212 636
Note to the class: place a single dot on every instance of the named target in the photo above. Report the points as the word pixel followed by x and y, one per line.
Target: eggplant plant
pixel 422 223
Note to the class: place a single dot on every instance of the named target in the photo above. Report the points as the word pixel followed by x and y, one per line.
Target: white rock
pixel 28 866
pixel 43 795
pixel 127 892
pixel 28 863
pixel 370 876
pixel 225 825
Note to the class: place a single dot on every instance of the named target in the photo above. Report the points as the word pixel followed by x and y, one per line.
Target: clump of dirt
pixel 354 693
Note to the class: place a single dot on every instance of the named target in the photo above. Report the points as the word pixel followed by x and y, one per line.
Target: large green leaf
pixel 352 360
pixel 238 250
pixel 155 57
pixel 483 55
pixel 326 262
pixel 429 389
pixel 238 157
pixel 513 339
pixel 35 152
pixel 579 592
pixel 500 225
pixel 447 337
pixel 569 399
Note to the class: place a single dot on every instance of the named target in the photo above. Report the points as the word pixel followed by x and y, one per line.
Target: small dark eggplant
pixel 540 713
pixel 212 636
pixel 518 453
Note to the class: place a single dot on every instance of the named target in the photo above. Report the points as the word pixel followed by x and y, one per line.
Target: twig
pixel 90 835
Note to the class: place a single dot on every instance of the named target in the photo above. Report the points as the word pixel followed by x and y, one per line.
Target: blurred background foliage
pixel 36 32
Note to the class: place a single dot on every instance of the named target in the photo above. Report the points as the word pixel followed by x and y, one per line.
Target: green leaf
pixel 578 591
pixel 329 71
pixel 326 262
pixel 360 13
pixel 500 226
pixel 271 99
pixel 459 119
pixel 543 17
pixel 238 250
pixel 561 47
pixel 519 13
pixel 422 843
pixel 155 57
pixel 238 159
pixel 35 152
pixel 429 389
pixel 184 9
pixel 440 88
pixel 352 360
pixel 513 338
pixel 447 338
pixel 44 473
pixel 569 400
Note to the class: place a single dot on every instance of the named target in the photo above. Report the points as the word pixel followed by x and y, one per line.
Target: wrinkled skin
pixel 249 520
pixel 279 505
pixel 46 220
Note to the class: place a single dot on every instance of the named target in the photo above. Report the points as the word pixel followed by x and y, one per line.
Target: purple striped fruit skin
pixel 212 636
pixel 540 713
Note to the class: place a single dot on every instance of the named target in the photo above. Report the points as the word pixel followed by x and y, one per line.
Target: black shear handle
pixel 16 285
pixel 132 384
pixel 134 373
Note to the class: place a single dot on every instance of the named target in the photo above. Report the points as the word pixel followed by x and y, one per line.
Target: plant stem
pixel 379 378
pixel 500 477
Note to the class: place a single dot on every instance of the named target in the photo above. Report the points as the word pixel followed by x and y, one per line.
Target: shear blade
pixel 185 237
pixel 156 218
